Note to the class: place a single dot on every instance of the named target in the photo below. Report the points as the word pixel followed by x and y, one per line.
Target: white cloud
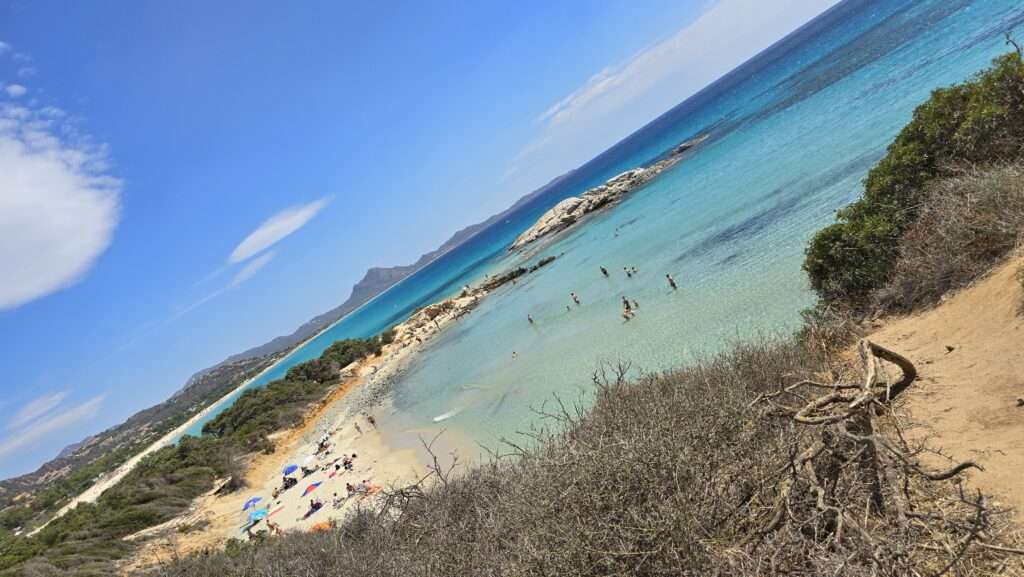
pixel 58 205
pixel 47 424
pixel 4 47
pixel 251 268
pixel 619 99
pixel 36 409
pixel 276 228
pixel 15 90
pixel 26 72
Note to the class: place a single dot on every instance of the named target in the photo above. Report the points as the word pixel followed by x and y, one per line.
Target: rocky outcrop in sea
pixel 569 211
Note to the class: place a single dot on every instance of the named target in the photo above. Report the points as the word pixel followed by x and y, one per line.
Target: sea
pixel 791 135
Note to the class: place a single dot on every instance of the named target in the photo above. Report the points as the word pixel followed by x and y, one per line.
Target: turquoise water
pixel 793 132
pixel 791 142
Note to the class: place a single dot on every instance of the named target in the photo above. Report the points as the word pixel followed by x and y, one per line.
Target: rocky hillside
pixel 78 464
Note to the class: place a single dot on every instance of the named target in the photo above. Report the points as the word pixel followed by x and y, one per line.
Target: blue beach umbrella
pixel 288 470
pixel 251 503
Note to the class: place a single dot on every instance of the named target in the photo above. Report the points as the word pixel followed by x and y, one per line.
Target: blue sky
pixel 182 180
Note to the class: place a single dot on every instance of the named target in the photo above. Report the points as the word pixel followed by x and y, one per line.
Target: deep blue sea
pixel 792 134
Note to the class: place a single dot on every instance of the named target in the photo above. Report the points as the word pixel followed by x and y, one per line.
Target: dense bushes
pixel 970 221
pixel 677 474
pixel 979 122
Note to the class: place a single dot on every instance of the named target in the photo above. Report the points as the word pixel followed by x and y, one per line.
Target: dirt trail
pixel 970 354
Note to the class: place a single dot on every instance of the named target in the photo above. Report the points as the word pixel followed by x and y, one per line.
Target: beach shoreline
pixel 343 417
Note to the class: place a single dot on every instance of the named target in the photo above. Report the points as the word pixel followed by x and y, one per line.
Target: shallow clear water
pixel 793 133
pixel 790 144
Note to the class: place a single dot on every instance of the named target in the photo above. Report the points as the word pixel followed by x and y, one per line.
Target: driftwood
pixel 851 477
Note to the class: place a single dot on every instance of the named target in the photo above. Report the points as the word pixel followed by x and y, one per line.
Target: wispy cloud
pixel 36 409
pixel 245 273
pixel 275 228
pixel 251 268
pixel 57 180
pixel 47 424
pixel 619 98
pixel 4 47
pixel 15 90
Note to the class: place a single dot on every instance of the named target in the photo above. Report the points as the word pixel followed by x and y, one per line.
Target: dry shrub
pixel 965 225
pixel 678 474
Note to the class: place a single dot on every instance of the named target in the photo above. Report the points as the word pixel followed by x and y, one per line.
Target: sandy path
pixel 966 399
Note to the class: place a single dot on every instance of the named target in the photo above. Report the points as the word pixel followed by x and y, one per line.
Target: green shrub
pixel 978 122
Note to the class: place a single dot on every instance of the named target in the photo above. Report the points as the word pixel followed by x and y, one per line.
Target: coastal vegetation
pixel 955 136
pixel 706 470
pixel 89 540
pixel 44 492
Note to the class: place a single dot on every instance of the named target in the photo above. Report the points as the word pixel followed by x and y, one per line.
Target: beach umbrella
pixel 309 460
pixel 251 503
pixel 257 515
pixel 289 469
pixel 311 488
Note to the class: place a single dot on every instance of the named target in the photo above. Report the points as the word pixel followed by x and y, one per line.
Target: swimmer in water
pixel 671 281
pixel 604 271
pixel 529 318
pixel 575 298
pixel 628 274
pixel 515 355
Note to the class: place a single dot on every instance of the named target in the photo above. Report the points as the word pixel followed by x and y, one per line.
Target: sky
pixel 180 181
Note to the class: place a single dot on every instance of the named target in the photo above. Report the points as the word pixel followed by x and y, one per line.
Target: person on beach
pixel 372 420
pixel 671 281
pixel 337 501
pixel 351 489
pixel 275 529
pixel 358 430
pixel 604 272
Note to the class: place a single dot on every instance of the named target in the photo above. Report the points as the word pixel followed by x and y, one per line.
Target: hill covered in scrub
pixel 89 540
pixel 779 456
pixel 29 500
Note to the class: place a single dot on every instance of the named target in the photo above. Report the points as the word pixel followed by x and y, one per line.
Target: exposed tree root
pixel 862 495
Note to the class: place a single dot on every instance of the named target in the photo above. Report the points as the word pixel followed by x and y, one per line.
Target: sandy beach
pixel 343 418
